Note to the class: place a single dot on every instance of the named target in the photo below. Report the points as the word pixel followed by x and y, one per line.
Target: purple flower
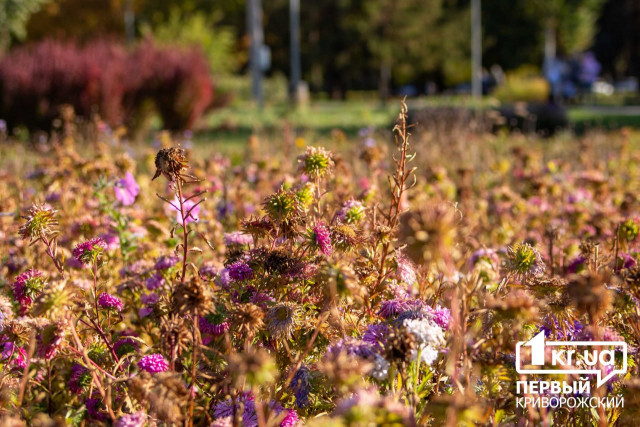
pixel 237 238
pixel 127 189
pixel 394 307
pixel 376 335
pixel 95 409
pixel 211 327
pixel 240 271
pixel 154 281
pixel 166 261
pixel 16 355
pixel 354 348
pixel 300 384
pixel 80 379
pixel 441 316
pixel 208 272
pixel 322 239
pixel 110 302
pixel 227 409
pixel 153 363
pixel 87 251
pixel 190 210
pixel 137 419
pixel 112 241
pixel 290 420
pixel 27 287
pixel 125 346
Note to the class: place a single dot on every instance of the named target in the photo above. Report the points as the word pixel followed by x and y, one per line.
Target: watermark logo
pixel 573 357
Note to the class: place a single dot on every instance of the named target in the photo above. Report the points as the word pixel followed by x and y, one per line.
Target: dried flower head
pixel 345 237
pixel 248 317
pixel 281 319
pixel 256 367
pixel 588 293
pixel 41 222
pixel 165 392
pixel 89 251
pixel 401 346
pixel 170 162
pixel 316 161
pixel 192 296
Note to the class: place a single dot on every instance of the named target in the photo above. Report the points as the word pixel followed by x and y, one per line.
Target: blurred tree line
pixel 354 44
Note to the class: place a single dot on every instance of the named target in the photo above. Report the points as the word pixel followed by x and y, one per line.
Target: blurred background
pixel 226 69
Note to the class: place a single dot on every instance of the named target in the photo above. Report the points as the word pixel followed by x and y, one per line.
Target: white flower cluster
pixel 429 336
pixel 380 370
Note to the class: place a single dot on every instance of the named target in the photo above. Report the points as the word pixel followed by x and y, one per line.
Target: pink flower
pixel 153 363
pixel 127 189
pixel 27 287
pixel 110 302
pixel 189 210
pixel 85 252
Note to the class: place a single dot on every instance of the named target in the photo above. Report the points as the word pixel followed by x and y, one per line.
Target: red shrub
pixel 103 77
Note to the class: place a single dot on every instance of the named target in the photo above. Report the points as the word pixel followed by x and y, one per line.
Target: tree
pixel 14 15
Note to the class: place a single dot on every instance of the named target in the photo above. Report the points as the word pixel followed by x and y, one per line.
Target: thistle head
pixel 41 222
pixel 170 162
pixel 524 260
pixel 282 206
pixel 319 239
pixel 316 161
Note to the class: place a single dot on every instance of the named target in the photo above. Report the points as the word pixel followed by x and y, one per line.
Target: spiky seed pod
pixel 279 261
pixel 345 371
pixel 192 295
pixel 345 237
pixel 284 212
pixel 400 346
pixel 175 333
pixel 316 162
pixel 165 393
pixel 589 294
pixel 170 162
pixel 257 367
pixel 41 222
pixel 524 260
pixel 248 318
pixel 281 319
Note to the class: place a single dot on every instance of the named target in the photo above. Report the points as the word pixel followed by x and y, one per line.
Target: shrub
pixel 103 77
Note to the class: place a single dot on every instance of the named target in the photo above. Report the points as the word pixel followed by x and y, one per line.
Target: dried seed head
pixel 257 367
pixel 41 222
pixel 400 346
pixel 170 162
pixel 281 319
pixel 192 295
pixel 589 294
pixel 248 317
pixel 316 161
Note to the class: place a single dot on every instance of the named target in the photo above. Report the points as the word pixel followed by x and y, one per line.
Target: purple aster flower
pixel 127 189
pixel 237 238
pixel 224 280
pixel 16 355
pixel 392 308
pixel 27 287
pixel 190 209
pixel 208 272
pixel 376 335
pixel 227 408
pixel 150 299
pixel 354 348
pixel 95 409
pixel 87 251
pixel 125 346
pixel 301 386
pixel 240 271
pixel 80 379
pixel 110 302
pixel 166 261
pixel 322 238
pixel 210 327
pixel 137 419
pixel 154 281
pixel 222 422
pixel 577 265
pixel 153 363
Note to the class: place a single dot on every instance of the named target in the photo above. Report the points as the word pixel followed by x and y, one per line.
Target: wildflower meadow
pixel 384 278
